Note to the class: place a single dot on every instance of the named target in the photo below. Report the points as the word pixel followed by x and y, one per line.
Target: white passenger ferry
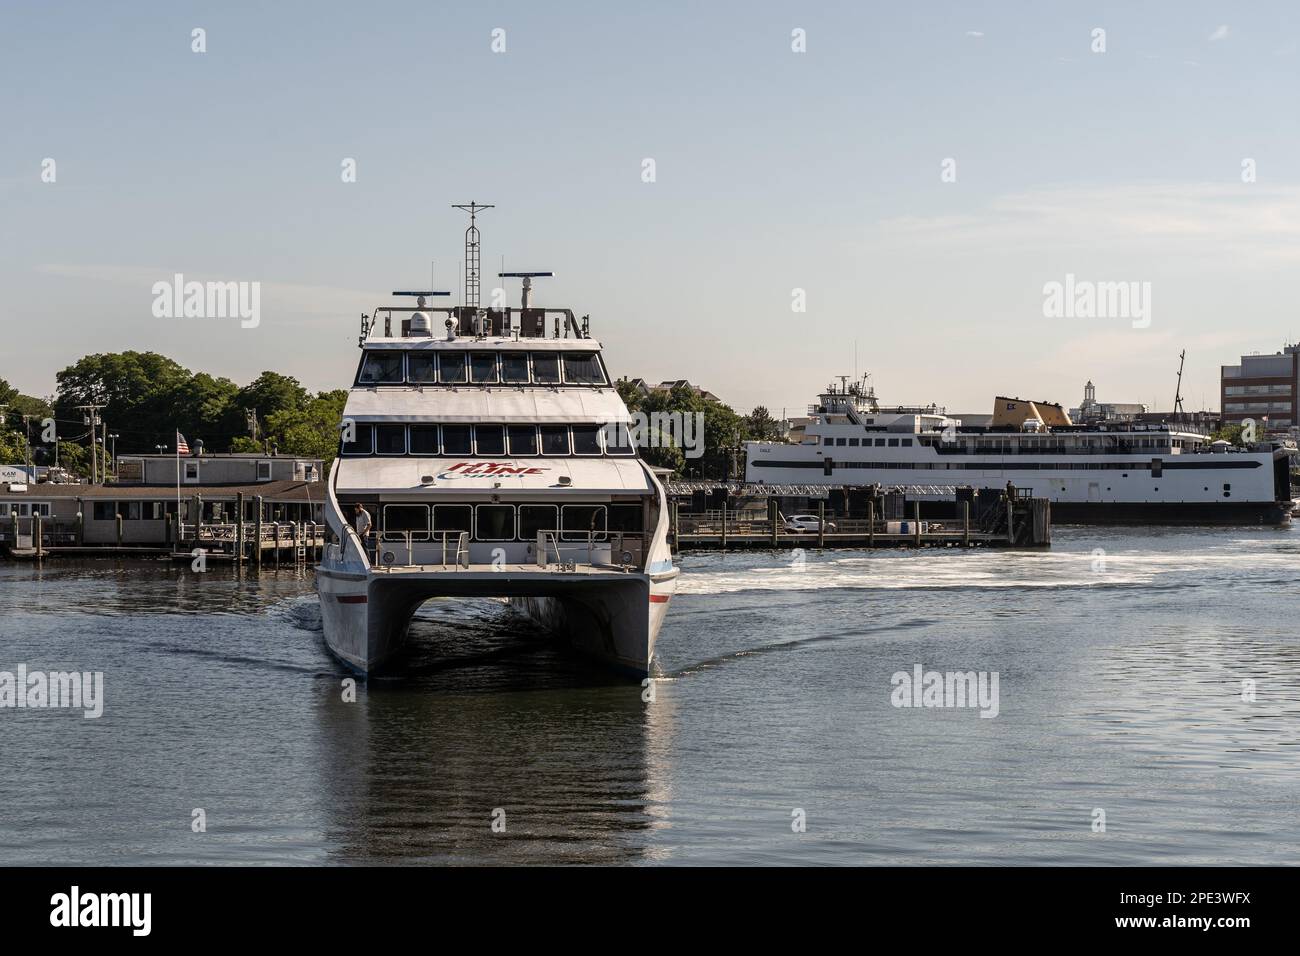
pixel 487 453
pixel 1106 473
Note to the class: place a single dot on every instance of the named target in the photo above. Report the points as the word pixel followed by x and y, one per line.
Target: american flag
pixel 182 446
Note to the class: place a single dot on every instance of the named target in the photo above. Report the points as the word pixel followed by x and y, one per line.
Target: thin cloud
pixel 286 296
pixel 974 33
pixel 1220 32
pixel 1257 223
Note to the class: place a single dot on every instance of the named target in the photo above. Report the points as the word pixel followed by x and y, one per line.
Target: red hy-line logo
pixel 488 469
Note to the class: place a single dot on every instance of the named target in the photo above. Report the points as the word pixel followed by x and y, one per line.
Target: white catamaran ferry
pixel 482 449
pixel 1106 473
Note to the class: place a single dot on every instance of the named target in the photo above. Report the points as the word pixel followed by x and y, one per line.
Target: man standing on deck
pixel 361 521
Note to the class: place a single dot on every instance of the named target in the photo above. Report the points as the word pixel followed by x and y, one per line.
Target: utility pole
pixel 114 437
pixel 90 416
pixel 27 448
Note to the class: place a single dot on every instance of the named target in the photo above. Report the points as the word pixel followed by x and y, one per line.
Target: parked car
pixel 802 524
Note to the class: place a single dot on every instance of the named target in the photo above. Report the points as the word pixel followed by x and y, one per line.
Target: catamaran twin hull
pixel 612 616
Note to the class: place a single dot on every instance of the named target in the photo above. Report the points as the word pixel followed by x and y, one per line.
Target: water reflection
pixel 485 718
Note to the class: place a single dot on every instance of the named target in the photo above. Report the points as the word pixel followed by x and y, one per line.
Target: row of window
pixel 866 442
pixel 132 510
pixel 25 509
pixel 429 367
pixel 1003 445
pixel 1257 406
pixel 489 441
pixel 498 522
pixel 1257 390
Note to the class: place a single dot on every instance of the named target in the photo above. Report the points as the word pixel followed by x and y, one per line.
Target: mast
pixel 472 253
pixel 1178 389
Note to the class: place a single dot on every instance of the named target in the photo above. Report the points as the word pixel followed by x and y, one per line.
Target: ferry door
pixel 1094 491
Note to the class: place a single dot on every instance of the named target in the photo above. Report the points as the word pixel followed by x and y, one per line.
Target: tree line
pixel 146 398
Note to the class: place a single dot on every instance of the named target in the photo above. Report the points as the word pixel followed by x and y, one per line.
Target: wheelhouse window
pixel 490 440
pixel 582 368
pixel 422 368
pixel 555 440
pixel 381 368
pixel 362 440
pixel 456 440
pixel 453 519
pixel 514 368
pixel 546 368
pixel 399 519
pixel 618 439
pixel 535 518
pixel 626 519
pixel 390 439
pixel 578 521
pixel 495 523
pixel 453 368
pixel 523 439
pixel 586 439
pixel 424 439
pixel 483 367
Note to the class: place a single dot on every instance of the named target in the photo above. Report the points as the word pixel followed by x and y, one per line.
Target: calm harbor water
pixel 1120 654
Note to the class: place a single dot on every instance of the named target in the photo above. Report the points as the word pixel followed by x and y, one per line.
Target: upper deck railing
pixel 466 322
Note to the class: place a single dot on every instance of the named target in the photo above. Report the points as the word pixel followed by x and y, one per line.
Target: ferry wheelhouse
pixel 485 445
pixel 1113 472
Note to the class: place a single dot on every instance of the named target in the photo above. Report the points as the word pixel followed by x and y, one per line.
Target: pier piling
pixel 239 529
pixel 257 533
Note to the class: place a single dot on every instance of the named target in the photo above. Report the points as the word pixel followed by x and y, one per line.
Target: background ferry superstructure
pixel 485 445
pixel 1112 472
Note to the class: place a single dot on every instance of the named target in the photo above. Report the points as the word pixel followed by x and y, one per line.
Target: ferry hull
pixel 1172 513
pixel 614 618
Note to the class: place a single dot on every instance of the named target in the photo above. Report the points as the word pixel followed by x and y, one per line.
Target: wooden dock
pixel 256 543
pixel 1018 522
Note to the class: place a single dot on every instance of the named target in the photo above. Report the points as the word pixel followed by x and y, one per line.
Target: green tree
pixel 13 431
pixel 1231 433
pixel 311 431
pixel 761 426
pixel 142 394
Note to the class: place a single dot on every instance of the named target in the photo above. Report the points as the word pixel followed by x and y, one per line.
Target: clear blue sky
pixel 775 171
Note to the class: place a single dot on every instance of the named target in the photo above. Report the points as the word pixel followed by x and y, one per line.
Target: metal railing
pixel 552 539
pixel 459 555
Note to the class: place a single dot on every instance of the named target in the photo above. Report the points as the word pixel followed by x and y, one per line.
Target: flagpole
pixel 177 443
